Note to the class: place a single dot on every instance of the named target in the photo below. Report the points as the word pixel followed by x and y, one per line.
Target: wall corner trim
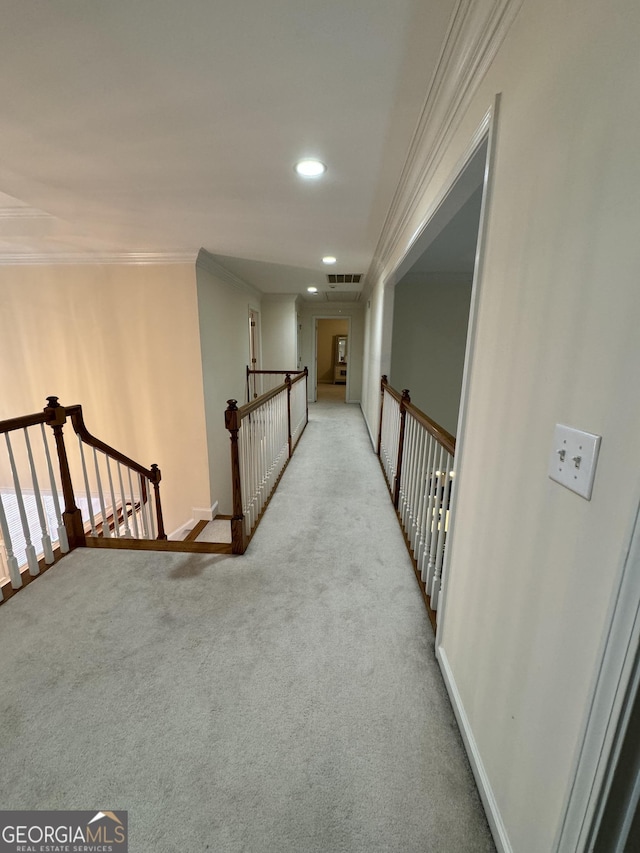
pixel 206 261
pixel 476 31
pixel 494 818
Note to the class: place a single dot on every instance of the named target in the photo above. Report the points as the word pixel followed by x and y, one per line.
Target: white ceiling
pixel 158 127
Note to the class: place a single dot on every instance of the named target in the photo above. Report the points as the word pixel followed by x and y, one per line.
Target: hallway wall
pixel 223 312
pixel 122 340
pixel 278 328
pixel 430 319
pixel 533 566
pixel 307 312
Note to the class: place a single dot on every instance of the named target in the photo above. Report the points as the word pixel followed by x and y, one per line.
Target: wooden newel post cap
pixel 384 379
pixel 157 476
pixel 231 415
pixel 287 379
pixel 56 414
pixel 406 396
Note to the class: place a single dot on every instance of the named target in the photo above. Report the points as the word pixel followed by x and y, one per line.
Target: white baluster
pixel 105 521
pixel 87 488
pixel 12 561
pixel 30 551
pixel 437 575
pixel 47 548
pixel 63 542
pixel 419 492
pixel 431 486
pixel 435 520
pixel 134 511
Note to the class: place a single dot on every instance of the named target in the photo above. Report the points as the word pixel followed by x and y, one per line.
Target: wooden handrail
pixel 441 435
pixel 22 422
pixel 248 408
pixel 77 421
pixel 56 416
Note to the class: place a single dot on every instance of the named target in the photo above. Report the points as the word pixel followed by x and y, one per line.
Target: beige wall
pixel 123 342
pixel 224 339
pixel 327 330
pixel 430 318
pixel 533 566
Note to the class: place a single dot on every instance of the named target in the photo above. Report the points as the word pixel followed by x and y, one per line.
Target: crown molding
pixel 476 31
pixel 83 258
pixel 206 261
pixel 23 213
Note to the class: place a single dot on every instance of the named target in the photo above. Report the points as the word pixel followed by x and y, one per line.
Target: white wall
pixel 308 311
pixel 223 306
pixel 123 342
pixel 278 330
pixel 430 318
pixel 533 566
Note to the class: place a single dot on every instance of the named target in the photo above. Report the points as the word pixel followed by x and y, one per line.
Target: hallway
pixel 285 701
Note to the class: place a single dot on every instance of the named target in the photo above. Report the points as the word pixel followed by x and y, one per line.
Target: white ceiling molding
pixel 23 213
pixel 206 261
pixel 126 258
pixel 477 29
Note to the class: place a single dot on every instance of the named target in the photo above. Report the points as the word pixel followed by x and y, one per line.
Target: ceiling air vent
pixel 344 278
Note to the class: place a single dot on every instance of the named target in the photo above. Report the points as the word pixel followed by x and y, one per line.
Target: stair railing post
pixel 383 384
pixel 403 417
pixel 157 476
pixel 287 382
pixel 72 516
pixel 306 390
pixel 238 533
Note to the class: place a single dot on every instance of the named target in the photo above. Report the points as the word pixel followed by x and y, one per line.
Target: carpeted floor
pixel 286 701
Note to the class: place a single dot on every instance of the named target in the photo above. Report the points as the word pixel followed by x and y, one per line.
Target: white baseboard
pixel 179 533
pixel 205 513
pixel 199 514
pixel 374 441
pixel 494 818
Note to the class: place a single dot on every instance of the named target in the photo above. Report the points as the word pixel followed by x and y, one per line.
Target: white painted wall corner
pixel 494 818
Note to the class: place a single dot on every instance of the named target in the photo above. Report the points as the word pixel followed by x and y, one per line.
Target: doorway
pixel 331 358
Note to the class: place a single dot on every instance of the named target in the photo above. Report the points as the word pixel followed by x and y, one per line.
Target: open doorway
pixel 332 358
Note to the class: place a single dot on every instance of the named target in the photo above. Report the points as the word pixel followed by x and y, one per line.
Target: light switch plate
pixel 573 459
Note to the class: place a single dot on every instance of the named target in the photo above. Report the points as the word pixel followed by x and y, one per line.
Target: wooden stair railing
pixel 261 381
pixel 94 497
pixel 417 459
pixel 264 434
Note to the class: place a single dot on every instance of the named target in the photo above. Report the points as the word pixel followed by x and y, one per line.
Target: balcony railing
pixel 418 461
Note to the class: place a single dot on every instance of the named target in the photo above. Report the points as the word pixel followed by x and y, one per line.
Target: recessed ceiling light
pixel 312 289
pixel 329 259
pixel 310 168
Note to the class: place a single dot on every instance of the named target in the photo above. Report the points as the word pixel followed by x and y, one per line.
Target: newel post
pixel 403 417
pixel 157 476
pixel 287 382
pixel 238 534
pixel 72 516
pixel 306 391
pixel 383 383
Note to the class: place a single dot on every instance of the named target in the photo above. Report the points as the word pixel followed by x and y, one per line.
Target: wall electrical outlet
pixel 573 459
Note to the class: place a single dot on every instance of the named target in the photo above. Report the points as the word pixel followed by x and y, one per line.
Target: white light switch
pixel 573 459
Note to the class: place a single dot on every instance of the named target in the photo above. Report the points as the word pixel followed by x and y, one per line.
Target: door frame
pixel 314 353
